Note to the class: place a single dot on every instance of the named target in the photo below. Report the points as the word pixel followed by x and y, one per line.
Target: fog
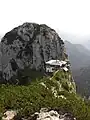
pixel 74 38
pixel 70 18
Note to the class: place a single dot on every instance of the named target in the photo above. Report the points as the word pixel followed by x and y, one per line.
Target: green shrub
pixel 31 98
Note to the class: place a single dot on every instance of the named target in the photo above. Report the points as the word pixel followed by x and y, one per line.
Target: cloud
pixel 70 16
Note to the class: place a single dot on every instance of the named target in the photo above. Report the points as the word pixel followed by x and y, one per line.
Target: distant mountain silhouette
pixel 79 56
pixel 82 79
pixel 87 44
pixel 80 61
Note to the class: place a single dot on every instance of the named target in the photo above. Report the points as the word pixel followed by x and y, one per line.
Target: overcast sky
pixel 68 16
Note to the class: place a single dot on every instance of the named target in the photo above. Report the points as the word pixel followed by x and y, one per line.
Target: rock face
pixel 79 56
pixel 52 115
pixel 29 45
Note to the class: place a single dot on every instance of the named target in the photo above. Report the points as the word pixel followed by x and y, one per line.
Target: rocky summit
pixel 29 45
pixel 33 58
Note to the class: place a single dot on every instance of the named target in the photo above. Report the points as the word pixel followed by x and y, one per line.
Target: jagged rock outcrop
pixel 29 45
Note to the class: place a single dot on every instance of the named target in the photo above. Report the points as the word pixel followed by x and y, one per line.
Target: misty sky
pixel 65 16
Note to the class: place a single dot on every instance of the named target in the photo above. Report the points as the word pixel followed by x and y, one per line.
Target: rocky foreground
pixel 44 114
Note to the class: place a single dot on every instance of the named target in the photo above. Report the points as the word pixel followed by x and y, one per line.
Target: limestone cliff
pixel 29 45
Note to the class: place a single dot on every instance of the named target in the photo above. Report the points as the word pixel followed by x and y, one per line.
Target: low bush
pixel 31 98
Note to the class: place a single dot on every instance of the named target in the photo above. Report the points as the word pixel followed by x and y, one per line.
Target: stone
pixel 29 45
pixel 9 115
pixel 45 114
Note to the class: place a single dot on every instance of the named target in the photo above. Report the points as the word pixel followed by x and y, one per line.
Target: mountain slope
pixel 53 93
pixel 82 49
pixel 80 60
pixel 82 79
pixel 79 56
pixel 87 43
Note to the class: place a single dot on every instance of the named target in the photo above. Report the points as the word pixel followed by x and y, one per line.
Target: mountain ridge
pixel 79 56
pixel 81 74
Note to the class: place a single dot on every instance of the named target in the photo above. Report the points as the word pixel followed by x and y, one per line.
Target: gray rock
pixel 9 115
pixel 45 114
pixel 29 45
